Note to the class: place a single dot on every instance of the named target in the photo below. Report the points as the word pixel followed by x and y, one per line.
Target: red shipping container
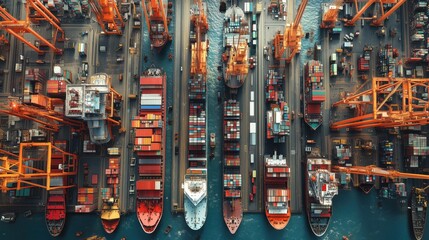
pixel 94 179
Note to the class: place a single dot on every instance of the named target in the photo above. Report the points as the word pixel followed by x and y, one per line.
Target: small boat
pixel 28 213
pixel 168 229
pixel 8 217
pixel 110 215
pixel 212 140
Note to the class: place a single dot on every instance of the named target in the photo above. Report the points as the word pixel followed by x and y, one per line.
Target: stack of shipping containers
pixel 148 128
pixel 231 134
pixel 277 189
pixel 416 150
pixel 34 80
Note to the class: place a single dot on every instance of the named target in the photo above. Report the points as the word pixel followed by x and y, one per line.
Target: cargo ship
pixel 55 208
pixel 277 191
pixel 314 93
pixel 321 187
pixel 235 43
pixel 232 206
pixel 149 146
pixel 155 12
pixel 195 179
pixel 110 212
pixel 417 209
pixel 55 211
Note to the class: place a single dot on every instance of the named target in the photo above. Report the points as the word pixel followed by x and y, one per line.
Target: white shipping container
pixel 252 127
pixel 252 108
pixel 252 96
pixel 252 158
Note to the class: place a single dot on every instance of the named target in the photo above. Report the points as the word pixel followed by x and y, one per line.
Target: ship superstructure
pixel 195 179
pixel 277 191
pixel 149 146
pixel 321 187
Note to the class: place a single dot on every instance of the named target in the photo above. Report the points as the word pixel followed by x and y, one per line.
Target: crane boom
pixel 331 15
pixel 359 13
pixel 380 20
pixel 108 16
pixel 376 171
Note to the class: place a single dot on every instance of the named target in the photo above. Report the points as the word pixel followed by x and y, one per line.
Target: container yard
pixel 121 118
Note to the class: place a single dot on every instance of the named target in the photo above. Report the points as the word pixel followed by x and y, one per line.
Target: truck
pixel 82 50
pixel 333 70
pixel 333 58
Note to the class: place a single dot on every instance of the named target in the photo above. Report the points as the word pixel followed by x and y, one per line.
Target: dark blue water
pixel 355 214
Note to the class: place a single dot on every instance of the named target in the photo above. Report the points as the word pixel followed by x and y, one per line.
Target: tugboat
pixel 212 140
pixel 417 210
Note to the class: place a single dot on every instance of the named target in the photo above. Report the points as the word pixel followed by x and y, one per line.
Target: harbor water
pixel 355 214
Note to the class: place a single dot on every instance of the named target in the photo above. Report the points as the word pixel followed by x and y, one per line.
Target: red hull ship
pixel 149 146
pixel 110 215
pixel 55 212
pixel 157 23
pixel 277 192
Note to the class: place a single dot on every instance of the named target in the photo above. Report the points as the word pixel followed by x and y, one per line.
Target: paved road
pixel 182 60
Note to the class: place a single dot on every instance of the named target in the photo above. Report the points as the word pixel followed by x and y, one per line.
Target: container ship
pixel 55 209
pixel 235 43
pixel 155 12
pixel 110 212
pixel 321 187
pixel 232 207
pixel 314 93
pixel 417 209
pixel 277 191
pixel 195 179
pixel 149 146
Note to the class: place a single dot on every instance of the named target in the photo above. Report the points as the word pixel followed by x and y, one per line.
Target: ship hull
pixel 195 216
pixel 278 222
pixel 417 214
pixel 150 187
pixel 232 214
pixel 55 212
pixel 149 215
pixel 110 217
pixel 318 225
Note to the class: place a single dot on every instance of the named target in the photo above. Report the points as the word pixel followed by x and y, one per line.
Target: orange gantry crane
pixel 108 16
pixel 43 165
pixel 43 115
pixel 375 107
pixel 375 21
pixel 291 37
pixel 199 48
pixel 37 12
pixel 18 28
pixel 331 15
pixel 376 171
pixel 237 63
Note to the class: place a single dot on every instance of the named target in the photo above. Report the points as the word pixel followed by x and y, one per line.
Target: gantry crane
pixel 237 63
pixel 376 171
pixel 199 48
pixel 42 165
pixel 37 12
pixel 291 37
pixel 108 16
pixel 45 116
pixel 411 111
pixel 19 27
pixel 331 15
pixel 378 21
